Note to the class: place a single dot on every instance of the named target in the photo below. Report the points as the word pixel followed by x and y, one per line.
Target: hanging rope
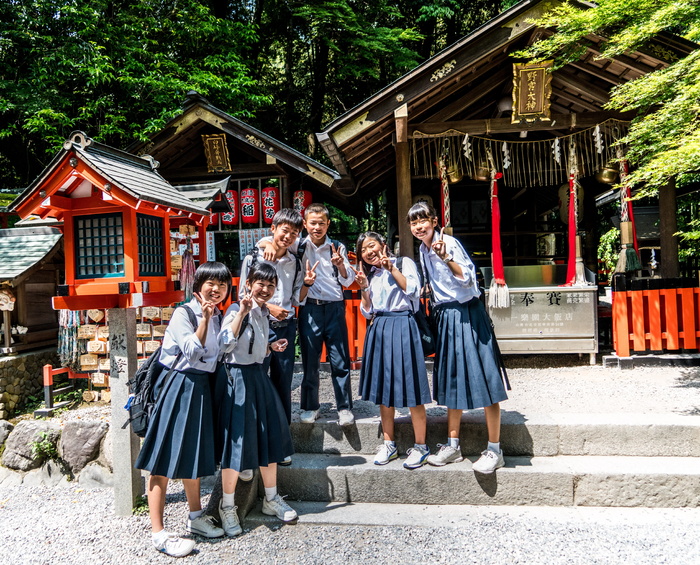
pixel 628 259
pixel 573 217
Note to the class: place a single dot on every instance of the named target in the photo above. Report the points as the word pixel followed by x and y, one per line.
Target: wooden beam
pixel 252 169
pixel 575 83
pixel 58 202
pixel 403 180
pixel 504 125
pixel 575 100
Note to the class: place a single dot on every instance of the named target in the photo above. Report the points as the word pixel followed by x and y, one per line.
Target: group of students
pixel 219 407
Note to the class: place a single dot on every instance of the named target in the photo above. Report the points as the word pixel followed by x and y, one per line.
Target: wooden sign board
pixel 159 330
pixel 150 313
pixel 150 346
pixel 88 362
pixel 99 379
pixel 87 331
pixel 176 262
pixel 167 313
pixel 96 346
pixel 216 151
pixel 532 90
pixel 143 330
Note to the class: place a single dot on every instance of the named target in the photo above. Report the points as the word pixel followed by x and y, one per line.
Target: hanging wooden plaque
pixel 87 331
pixel 216 151
pixel 88 362
pixel 159 330
pixel 143 330
pixel 167 313
pixel 532 90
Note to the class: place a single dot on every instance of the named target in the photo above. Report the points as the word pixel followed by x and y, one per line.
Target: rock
pixel 9 478
pixel 95 475
pixel 5 429
pixel 80 442
pixel 50 475
pixel 105 457
pixel 18 447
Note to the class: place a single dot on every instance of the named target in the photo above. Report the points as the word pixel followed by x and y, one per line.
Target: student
pixel 393 371
pixel 286 225
pixel 252 428
pixel 322 316
pixel 468 371
pixel 179 443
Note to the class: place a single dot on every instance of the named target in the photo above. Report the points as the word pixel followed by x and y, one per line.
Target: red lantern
pixel 231 218
pixel 302 200
pixel 270 203
pixel 250 206
pixel 213 219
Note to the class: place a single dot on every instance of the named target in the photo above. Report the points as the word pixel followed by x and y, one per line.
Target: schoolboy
pixel 286 226
pixel 322 316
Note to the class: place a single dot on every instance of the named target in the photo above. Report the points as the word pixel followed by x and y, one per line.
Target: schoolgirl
pixel 179 443
pixel 393 371
pixel 468 370
pixel 252 427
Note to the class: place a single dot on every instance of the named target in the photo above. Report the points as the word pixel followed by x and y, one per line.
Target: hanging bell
pixel 482 172
pixel 454 174
pixel 608 174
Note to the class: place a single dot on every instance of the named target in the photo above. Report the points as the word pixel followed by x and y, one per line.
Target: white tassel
pixel 499 296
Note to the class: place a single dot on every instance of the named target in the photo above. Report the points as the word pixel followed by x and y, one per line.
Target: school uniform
pixel 322 320
pixel 468 371
pixel 393 366
pixel 252 429
pixel 280 364
pixel 179 443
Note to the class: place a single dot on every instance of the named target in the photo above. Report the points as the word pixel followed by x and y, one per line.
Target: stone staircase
pixel 551 460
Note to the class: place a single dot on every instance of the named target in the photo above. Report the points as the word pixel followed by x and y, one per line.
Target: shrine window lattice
pixel 99 246
pixel 151 246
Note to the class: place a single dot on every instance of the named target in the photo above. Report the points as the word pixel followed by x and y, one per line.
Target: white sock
pixel 270 493
pixel 495 447
pixel 422 446
pixel 390 443
pixel 196 514
pixel 227 500
pixel 453 442
pixel 159 537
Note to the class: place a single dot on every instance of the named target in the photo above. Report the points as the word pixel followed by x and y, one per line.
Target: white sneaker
pixel 445 455
pixel 175 546
pixel 229 520
pixel 204 526
pixel 308 416
pixel 246 476
pixel 489 462
pixel 385 454
pixel 417 457
pixel 278 507
pixel 345 418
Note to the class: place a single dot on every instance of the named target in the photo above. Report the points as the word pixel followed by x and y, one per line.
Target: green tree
pixel 664 141
pixel 115 69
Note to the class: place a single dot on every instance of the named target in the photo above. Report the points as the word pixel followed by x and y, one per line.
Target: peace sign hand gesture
pixel 207 307
pixel 310 274
pixel 336 257
pixel 360 278
pixel 246 302
pixel 385 260
pixel 439 246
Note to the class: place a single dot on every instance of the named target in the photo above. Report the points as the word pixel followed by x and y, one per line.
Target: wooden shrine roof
pixel 459 90
pixel 25 249
pixel 135 176
pixel 179 148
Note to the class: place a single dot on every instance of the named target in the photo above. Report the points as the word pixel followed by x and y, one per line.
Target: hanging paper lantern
pixel 250 206
pixel 302 200
pixel 270 203
pixel 232 216
pixel 214 219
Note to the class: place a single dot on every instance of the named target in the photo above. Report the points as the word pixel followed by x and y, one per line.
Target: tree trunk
pixel 669 226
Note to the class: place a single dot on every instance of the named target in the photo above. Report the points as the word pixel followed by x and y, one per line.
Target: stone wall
pixel 21 377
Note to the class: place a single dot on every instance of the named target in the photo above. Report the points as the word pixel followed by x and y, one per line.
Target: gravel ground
pixel 76 526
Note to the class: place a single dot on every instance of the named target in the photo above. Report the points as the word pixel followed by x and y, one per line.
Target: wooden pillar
pixel 403 180
pixel 125 444
pixel 668 223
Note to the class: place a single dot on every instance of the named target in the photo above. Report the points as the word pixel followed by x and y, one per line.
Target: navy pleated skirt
pixel 179 443
pixel 393 366
pixel 251 429
pixel 468 371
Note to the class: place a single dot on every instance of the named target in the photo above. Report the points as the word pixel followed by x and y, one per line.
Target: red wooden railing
pixel 656 320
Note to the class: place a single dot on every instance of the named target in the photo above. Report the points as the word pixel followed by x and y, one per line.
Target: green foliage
pixel 688 216
pixel 664 142
pixel 45 448
pixel 609 249
pixel 141 506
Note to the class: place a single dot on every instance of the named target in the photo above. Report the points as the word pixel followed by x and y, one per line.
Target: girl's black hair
pixel 367 268
pixel 262 272
pixel 421 210
pixel 212 271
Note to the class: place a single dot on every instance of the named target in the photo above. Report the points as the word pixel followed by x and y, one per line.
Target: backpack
pixel 255 257
pixel 142 397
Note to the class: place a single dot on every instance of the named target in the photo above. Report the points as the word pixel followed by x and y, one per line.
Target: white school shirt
pixel 180 336
pixel 287 290
pixel 446 286
pixel 326 286
pixel 386 295
pixel 235 349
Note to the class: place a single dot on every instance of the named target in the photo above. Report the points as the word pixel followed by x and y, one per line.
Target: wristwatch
pixel 448 259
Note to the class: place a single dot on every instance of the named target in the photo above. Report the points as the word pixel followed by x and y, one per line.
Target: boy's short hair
pixel 261 271
pixel 212 271
pixel 290 217
pixel 421 210
pixel 317 208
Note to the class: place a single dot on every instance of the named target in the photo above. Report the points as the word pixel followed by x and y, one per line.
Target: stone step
pixel 638 435
pixel 663 482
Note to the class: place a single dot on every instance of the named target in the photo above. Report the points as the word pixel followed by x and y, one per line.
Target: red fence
pixel 656 320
